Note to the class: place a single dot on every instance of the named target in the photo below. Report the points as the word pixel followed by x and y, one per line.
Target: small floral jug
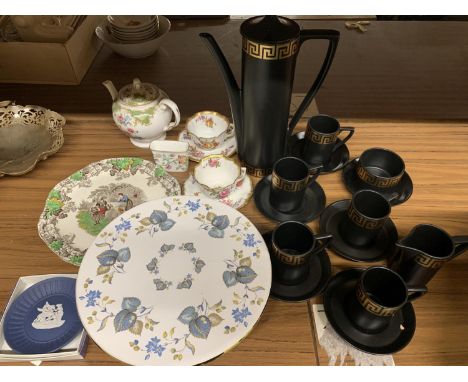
pixel 142 111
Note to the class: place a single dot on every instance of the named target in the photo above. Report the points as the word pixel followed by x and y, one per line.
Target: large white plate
pixel 79 207
pixel 175 281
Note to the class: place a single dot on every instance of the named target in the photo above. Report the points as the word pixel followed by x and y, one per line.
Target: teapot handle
pixel 316 34
pixel 172 105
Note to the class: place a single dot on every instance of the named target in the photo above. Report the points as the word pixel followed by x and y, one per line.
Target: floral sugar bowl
pixel 173 156
pixel 142 111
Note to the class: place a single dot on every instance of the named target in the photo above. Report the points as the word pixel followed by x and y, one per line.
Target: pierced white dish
pixel 237 199
pixel 195 294
pixel 227 148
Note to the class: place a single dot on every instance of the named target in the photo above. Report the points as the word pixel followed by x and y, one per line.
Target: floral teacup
pixel 171 155
pixel 208 129
pixel 219 176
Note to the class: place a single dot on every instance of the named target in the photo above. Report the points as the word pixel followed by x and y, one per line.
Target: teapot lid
pixel 138 93
pixel 270 29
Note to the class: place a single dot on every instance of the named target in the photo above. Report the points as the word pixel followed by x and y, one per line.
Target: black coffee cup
pixel 379 294
pixel 424 251
pixel 380 168
pixel 293 243
pixel 365 218
pixel 320 140
pixel 289 180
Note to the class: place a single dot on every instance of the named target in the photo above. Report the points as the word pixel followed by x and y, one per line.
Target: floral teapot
pixel 142 111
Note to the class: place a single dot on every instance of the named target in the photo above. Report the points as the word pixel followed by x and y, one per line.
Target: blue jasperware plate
pixel 43 318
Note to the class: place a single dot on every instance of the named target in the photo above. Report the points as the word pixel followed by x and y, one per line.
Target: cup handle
pixel 230 131
pixel 242 174
pixel 415 293
pixel 346 139
pixel 461 245
pixel 172 105
pixel 314 172
pixel 324 241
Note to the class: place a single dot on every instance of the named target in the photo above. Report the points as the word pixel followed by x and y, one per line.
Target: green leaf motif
pixel 103 323
pixel 77 176
pixel 136 328
pixel 190 346
pixel 86 222
pixel 215 319
pixel 159 171
pixel 56 245
pixel 103 269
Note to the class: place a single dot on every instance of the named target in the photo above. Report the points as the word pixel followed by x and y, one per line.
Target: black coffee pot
pixel 260 110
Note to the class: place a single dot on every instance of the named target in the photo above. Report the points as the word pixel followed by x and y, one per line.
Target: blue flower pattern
pixel 193 205
pixel 91 297
pixel 240 315
pixel 124 225
pixel 249 240
pixel 154 346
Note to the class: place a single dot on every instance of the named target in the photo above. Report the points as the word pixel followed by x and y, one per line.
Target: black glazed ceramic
pixel 312 205
pixel 338 157
pixel 396 335
pixel 364 219
pixel 383 247
pixel 424 251
pixel 293 244
pixel 378 296
pixel 396 195
pixel 270 46
pixel 316 281
pixel 321 139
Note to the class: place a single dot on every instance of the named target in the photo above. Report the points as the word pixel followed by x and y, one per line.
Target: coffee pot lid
pixel 138 93
pixel 270 29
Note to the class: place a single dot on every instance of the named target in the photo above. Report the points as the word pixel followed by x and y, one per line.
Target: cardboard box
pixel 51 63
pixel 74 350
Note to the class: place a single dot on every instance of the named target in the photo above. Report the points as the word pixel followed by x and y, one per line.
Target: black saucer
pixel 319 274
pixel 382 248
pixel 337 161
pixel 312 204
pixel 402 190
pixel 391 340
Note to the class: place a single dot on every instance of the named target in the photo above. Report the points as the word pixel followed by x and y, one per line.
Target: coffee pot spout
pixel 234 92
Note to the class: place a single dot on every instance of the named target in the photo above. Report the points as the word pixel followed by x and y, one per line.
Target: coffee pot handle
pixel 315 34
pixel 461 245
pixel 416 292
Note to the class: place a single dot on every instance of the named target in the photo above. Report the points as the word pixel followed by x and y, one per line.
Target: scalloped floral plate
pixel 184 281
pixel 80 206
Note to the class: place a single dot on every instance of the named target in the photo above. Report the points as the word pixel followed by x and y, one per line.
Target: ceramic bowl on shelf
pixel 144 46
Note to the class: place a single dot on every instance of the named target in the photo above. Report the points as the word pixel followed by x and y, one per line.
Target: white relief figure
pixel 49 317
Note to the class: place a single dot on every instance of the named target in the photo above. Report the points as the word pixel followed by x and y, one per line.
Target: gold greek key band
pixel 376 181
pixel 288 185
pixel 288 258
pixel 321 139
pixel 362 221
pixel 257 172
pixel 428 262
pixel 371 306
pixel 270 52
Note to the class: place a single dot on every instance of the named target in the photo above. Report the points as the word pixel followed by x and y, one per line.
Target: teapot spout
pixel 234 92
pixel 112 90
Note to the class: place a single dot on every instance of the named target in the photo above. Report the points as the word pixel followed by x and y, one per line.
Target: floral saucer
pixel 228 148
pixel 79 207
pixel 183 282
pixel 236 199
